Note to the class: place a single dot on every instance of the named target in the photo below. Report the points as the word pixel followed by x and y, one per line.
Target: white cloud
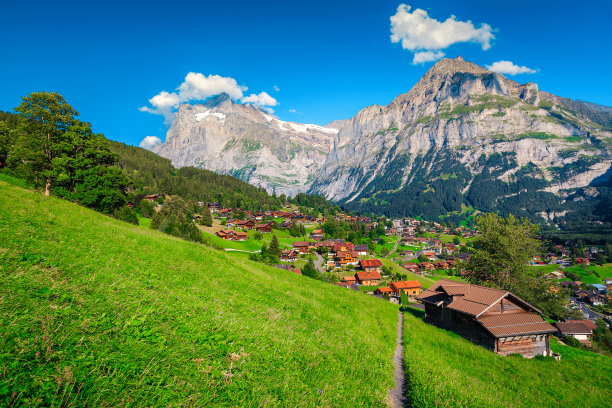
pixel 262 99
pixel 427 37
pixel 197 87
pixel 149 142
pixel 292 111
pixel 426 56
pixel 276 88
pixel 509 68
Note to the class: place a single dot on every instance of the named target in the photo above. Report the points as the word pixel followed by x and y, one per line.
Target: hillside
pixel 99 312
pixel 446 370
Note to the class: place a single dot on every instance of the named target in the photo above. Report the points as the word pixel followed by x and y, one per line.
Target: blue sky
pixel 327 59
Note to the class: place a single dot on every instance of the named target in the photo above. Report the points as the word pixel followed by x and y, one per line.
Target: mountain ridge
pixel 457 116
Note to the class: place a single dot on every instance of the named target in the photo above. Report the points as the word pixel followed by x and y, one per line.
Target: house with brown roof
pixel 265 228
pixel 301 246
pixel 413 267
pixel 289 256
pixel 317 235
pixel 367 278
pixel 578 329
pixel 493 318
pixel 248 224
pixel 362 249
pixel 410 288
pixel 349 279
pixel 371 265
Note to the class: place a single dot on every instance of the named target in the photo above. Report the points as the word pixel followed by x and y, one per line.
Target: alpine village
pixel 452 248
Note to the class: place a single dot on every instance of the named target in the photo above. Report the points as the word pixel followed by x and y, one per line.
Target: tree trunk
pixel 48 187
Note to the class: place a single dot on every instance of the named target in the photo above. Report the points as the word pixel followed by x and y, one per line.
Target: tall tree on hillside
pixel 309 269
pixel 501 259
pixel 206 217
pixel 274 248
pixel 47 119
pixel 6 142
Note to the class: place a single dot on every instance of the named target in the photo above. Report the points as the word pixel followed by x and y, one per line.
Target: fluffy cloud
pixel 427 37
pixel 262 99
pixel 426 56
pixel 509 68
pixel 149 142
pixel 198 87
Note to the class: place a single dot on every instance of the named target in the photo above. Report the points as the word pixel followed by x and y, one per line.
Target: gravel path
pixel 397 395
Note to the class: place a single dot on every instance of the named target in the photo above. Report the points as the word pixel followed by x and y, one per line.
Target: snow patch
pixel 299 127
pixel 201 115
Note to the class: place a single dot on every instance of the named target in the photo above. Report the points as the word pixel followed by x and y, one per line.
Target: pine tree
pixel 309 269
pixel 274 248
pixel 206 217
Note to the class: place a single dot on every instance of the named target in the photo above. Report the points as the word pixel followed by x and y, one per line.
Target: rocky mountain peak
pixel 219 101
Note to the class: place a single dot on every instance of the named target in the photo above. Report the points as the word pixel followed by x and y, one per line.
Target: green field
pixel 446 370
pixel 96 312
pixel 591 274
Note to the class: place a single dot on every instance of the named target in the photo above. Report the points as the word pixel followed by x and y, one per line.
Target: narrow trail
pixel 397 395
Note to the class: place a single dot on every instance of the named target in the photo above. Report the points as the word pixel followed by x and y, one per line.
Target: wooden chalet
pixel 362 250
pixel 265 228
pixel 383 290
pixel 427 266
pixel 289 256
pixel 583 261
pixel 317 235
pixel 371 265
pixel 349 279
pixel 214 207
pixel 301 246
pixel 347 257
pixel 493 318
pixel 410 288
pixel 367 278
pixel 151 197
pixel 248 224
pixel 578 329
pixel 413 267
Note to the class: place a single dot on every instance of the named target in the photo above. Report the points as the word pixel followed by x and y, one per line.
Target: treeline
pixel 151 174
pixel 437 193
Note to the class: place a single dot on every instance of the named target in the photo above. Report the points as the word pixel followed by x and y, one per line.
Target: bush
pixel 126 214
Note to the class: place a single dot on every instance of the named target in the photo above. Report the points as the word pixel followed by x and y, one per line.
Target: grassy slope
pixel 445 370
pixel 97 311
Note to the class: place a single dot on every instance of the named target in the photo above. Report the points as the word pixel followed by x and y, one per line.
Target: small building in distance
pixel 410 288
pixel 493 318
pixel 581 330
pixel 368 278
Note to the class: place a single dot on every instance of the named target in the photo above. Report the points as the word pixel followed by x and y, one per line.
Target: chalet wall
pixel 528 346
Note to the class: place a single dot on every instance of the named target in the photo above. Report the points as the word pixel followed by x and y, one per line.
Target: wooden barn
pixel 493 318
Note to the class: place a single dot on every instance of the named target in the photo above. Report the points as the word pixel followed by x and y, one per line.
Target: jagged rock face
pixel 248 143
pixel 461 111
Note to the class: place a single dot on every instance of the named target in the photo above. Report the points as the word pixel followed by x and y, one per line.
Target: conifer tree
pixel 274 248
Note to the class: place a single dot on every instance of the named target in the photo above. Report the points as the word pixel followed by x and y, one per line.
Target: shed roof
pixel 365 276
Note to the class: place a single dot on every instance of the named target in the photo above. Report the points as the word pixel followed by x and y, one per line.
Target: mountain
pixel 462 138
pixel 465 136
pixel 246 142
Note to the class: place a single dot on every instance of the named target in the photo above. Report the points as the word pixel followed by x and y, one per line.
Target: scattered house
pixel 349 279
pixel 289 256
pixel 427 266
pixel 410 288
pixel 301 246
pixel 213 207
pixel 583 261
pixel 429 255
pixel 240 236
pixel 317 235
pixel 601 289
pixel 347 258
pixel 265 228
pixel 248 224
pixel 412 267
pixel 383 290
pixel 371 265
pixel 151 197
pixel 493 318
pixel 607 281
pixel 367 278
pixel 362 250
pixel 576 329
pixel 555 275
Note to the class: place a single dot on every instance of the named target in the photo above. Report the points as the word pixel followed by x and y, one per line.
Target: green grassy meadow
pixel 96 312
pixel 591 274
pixel 446 370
